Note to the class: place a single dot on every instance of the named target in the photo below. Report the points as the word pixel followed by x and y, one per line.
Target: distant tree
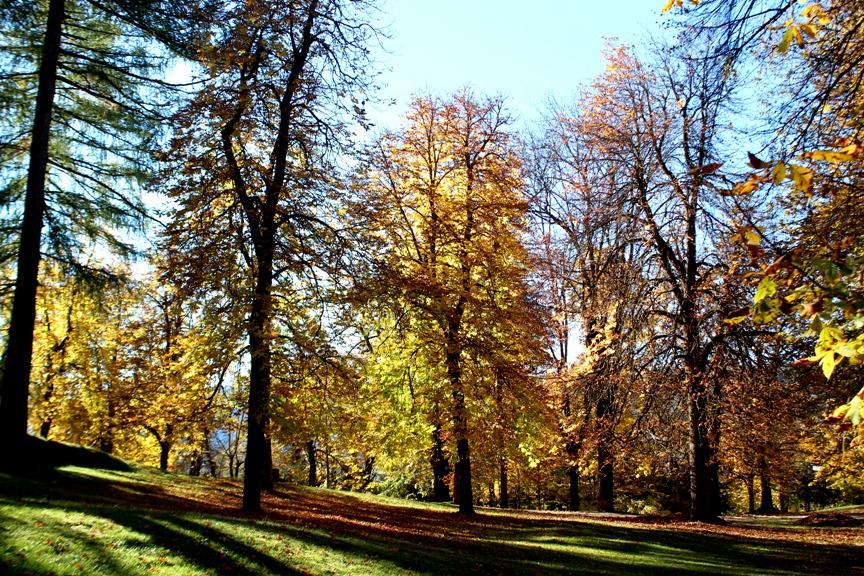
pixel 660 125
pixel 440 202
pixel 592 262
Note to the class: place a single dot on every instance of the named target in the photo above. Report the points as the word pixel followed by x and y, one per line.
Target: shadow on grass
pixel 423 540
pixel 36 455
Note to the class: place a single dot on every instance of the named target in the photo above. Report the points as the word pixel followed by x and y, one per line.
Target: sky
pixel 527 51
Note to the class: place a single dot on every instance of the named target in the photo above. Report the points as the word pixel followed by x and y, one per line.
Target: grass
pixel 82 520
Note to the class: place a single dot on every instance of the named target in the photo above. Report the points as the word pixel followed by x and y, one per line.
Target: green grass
pixel 74 520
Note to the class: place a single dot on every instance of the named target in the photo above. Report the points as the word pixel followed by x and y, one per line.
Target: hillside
pixel 79 520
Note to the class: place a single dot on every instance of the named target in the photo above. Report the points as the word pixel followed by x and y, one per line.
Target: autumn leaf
pixel 767 288
pixel 756 163
pixel 706 169
pixel 802 178
pixel 742 189
pixel 829 156
pixel 778 173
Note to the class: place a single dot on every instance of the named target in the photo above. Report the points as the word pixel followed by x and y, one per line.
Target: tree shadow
pixel 426 540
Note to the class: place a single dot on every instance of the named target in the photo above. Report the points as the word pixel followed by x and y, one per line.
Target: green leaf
pixel 846 349
pixel 853 414
pixel 828 363
pixel 767 287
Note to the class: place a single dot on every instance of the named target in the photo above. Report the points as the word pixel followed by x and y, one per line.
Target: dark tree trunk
pixel 367 475
pixel 15 384
pixel 45 428
pixel 749 482
pixel 766 496
pixel 573 475
pixel 463 494
pixel 704 481
pixel 196 463
pixel 440 465
pixel 327 466
pixel 313 464
pixel 502 486
pixel 258 467
pixel 164 452
pixel 605 463
pixel 207 452
pixel 106 438
pixel 605 482
pixel 462 491
pixel 166 442
pixel 504 499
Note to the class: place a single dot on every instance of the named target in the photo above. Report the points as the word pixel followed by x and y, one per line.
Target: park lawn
pixel 81 520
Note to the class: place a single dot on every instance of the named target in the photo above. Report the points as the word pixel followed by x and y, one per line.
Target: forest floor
pixel 83 520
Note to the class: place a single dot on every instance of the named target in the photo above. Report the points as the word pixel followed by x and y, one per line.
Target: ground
pixel 84 520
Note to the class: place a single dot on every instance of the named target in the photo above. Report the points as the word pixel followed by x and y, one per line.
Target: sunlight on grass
pixel 143 522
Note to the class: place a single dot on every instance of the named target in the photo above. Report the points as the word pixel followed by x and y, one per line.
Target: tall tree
pixel 252 171
pixel 444 196
pixel 661 125
pixel 593 262
pixel 85 145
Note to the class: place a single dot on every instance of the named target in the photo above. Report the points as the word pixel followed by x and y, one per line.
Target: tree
pixel 593 261
pixel 250 167
pixel 659 124
pixel 441 201
pixel 94 67
pixel 810 261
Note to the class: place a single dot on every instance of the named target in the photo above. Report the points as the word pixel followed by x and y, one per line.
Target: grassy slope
pixel 74 520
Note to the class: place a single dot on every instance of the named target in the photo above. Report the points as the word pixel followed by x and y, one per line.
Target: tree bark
pixel 701 506
pixel 751 493
pixel 440 465
pixel 502 486
pixel 313 464
pixel 766 496
pixel 605 462
pixel 257 468
pixel 164 452
pixel 15 384
pixel 574 501
pixel 462 491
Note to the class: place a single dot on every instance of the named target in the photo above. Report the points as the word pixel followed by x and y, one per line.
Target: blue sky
pixel 527 50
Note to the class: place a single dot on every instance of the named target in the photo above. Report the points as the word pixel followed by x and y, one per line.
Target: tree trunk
pixel 258 469
pixel 605 463
pixel 766 496
pixel 106 437
pixel 462 490
pixel 463 494
pixel 313 464
pixel 751 493
pixel 704 489
pixel 502 486
pixel 207 451
pixel 504 500
pixel 164 452
pixel 166 442
pixel 605 481
pixel 440 465
pixel 196 463
pixel 327 466
pixel 573 476
pixel 15 384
